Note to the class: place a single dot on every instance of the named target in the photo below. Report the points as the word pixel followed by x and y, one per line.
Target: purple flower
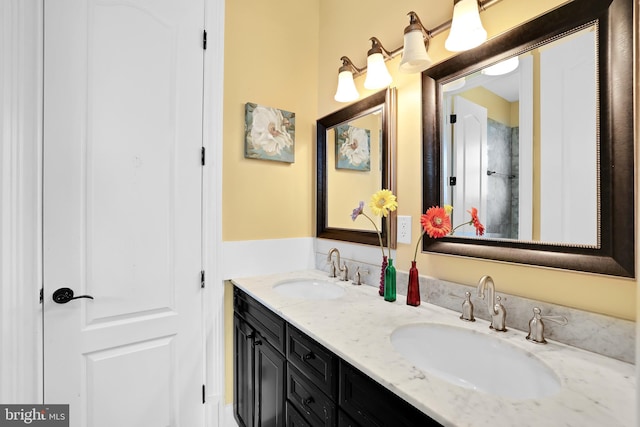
pixel 357 211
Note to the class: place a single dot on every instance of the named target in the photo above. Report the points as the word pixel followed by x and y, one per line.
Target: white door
pixel 470 163
pixel 122 211
pixel 568 142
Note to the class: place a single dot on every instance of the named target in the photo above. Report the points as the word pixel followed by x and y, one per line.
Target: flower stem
pixel 460 225
pixel 415 253
pixel 388 233
pixel 377 231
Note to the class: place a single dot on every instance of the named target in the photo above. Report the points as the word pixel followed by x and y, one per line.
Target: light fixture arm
pixel 376 47
pixel 416 24
pixel 347 65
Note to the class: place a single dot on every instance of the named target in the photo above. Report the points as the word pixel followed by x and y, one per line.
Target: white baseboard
pixel 228 420
pixel 255 257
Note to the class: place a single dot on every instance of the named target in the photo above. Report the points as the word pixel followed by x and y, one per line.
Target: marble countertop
pixel 595 390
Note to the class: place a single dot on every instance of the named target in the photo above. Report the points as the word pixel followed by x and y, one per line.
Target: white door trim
pixel 20 199
pixel 212 215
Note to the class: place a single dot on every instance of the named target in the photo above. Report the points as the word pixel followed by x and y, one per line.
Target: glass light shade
pixel 415 58
pixel 454 85
pixel 378 76
pixel 503 67
pixel 466 28
pixel 346 88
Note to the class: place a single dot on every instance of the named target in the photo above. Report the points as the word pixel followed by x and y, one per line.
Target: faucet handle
pixel 357 278
pixel 536 326
pixel 467 308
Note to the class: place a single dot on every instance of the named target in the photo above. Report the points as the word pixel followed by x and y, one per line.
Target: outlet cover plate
pixel 404 229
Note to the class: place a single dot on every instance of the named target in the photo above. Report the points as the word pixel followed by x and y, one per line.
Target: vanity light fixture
pixel 467 31
pixel 378 76
pixel 415 57
pixel 347 91
pixel 454 85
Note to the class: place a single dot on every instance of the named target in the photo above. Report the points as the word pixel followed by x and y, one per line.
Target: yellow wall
pixel 347 33
pixel 360 183
pixel 498 108
pixel 271 58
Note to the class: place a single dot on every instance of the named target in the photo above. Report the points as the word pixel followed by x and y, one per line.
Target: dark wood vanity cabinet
pixel 282 377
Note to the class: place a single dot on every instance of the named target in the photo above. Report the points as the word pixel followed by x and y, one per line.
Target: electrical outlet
pixel 404 229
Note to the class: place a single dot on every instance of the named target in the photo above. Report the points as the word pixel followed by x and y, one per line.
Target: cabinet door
pixel 243 372
pixel 269 377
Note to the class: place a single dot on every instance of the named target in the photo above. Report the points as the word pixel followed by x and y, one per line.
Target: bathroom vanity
pixel 284 377
pixel 327 357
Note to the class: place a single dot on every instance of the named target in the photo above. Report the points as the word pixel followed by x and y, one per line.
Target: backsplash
pixel 593 332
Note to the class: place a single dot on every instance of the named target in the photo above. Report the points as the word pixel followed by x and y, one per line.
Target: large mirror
pixel 356 158
pixel 535 130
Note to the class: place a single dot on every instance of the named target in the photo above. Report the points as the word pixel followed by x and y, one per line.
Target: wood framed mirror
pixel 545 210
pixel 356 148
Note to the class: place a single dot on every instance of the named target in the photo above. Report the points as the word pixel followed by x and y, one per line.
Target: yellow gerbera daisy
pixel 382 202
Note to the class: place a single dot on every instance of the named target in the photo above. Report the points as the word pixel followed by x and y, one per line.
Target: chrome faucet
pixel 496 309
pixel 536 326
pixel 344 272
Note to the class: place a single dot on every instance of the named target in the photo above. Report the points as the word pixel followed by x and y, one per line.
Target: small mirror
pixel 356 157
pixel 545 149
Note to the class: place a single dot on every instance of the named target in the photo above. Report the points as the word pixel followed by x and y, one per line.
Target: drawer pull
pixel 309 356
pixel 307 401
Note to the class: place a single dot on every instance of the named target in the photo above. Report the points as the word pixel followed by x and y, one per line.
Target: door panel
pixel 243 372
pixel 133 365
pixel 122 210
pixel 470 148
pixel 269 382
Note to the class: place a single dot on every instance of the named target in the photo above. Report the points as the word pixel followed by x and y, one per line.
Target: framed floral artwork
pixel 353 148
pixel 269 133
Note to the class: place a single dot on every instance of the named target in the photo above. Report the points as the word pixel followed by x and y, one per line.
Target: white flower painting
pixel 269 133
pixel 353 149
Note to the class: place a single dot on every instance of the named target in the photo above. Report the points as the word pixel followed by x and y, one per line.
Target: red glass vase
pixel 382 271
pixel 413 290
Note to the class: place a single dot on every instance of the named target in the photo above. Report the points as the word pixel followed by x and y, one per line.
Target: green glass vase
pixel 390 282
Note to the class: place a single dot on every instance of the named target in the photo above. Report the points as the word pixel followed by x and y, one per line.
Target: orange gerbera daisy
pixel 476 222
pixel 435 222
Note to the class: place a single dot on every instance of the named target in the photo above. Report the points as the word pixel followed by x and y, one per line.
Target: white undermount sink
pixel 313 289
pixel 474 360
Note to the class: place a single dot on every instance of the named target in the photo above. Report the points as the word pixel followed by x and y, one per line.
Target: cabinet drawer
pixel 313 360
pixel 344 420
pixel 313 404
pixel 268 324
pixel 294 419
pixel 371 404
